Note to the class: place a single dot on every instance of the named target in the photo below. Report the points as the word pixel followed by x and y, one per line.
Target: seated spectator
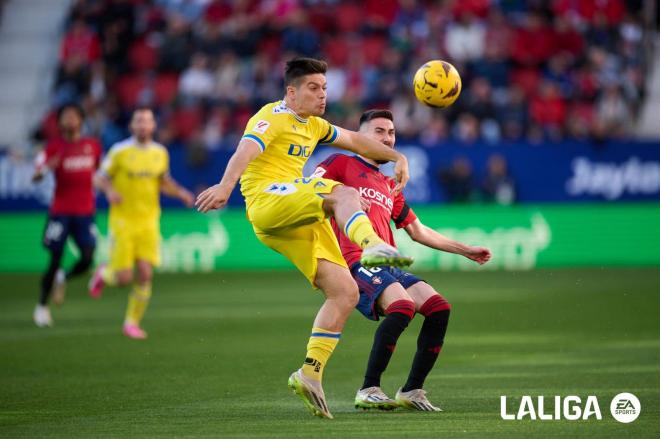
pixel 298 36
pixel 80 44
pixel 548 108
pixel 613 114
pixel 176 46
pixel 558 72
pixel 457 181
pixel 227 81
pixel 533 42
pixel 435 132
pixel 568 38
pixel 493 66
pixel 409 115
pixel 512 115
pixel 465 38
pixel 197 81
pixel 467 128
pixel 498 186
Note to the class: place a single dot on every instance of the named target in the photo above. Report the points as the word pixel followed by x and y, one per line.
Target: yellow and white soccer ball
pixel 437 84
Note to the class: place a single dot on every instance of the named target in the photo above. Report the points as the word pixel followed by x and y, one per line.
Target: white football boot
pixel 311 393
pixel 415 400
pixel 374 398
pixel 42 317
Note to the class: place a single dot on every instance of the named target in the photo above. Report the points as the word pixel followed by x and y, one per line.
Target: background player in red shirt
pixel 73 159
pixel 387 291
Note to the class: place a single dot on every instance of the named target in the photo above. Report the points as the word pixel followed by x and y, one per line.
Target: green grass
pixel 222 346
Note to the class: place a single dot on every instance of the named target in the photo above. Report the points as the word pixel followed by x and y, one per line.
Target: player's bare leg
pixel 399 309
pixel 104 276
pixel 61 277
pixel 343 203
pixel 435 310
pixel 341 296
pixel 138 300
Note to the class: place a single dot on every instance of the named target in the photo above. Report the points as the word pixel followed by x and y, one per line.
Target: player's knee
pixel 436 304
pixel 402 306
pixel 349 298
pixel 145 276
pixel 124 277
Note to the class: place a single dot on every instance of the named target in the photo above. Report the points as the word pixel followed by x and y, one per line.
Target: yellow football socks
pixel 137 304
pixel 108 276
pixel 319 349
pixel 359 230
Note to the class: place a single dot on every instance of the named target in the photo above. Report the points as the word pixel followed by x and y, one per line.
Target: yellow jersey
pixel 286 141
pixel 136 171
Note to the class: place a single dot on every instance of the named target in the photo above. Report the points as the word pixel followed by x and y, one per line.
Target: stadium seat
pixel 348 18
pixel 373 48
pixel 526 78
pixel 129 89
pixel 165 88
pixel 186 122
pixel 142 56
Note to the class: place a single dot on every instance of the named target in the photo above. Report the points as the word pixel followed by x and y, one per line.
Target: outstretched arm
pixel 169 186
pixel 217 195
pixel 430 238
pixel 370 148
pixel 43 164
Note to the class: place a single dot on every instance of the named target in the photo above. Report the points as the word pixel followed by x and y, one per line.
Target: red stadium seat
pixel 372 49
pixel 271 46
pixel 336 52
pixel 348 18
pixel 166 87
pixel 129 88
pixel 526 78
pixel 143 56
pixel 186 122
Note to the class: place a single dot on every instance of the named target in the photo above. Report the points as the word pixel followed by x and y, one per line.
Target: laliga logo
pixel 625 408
pixel 570 409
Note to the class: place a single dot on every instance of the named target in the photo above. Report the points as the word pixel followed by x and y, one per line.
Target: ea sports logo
pixel 625 407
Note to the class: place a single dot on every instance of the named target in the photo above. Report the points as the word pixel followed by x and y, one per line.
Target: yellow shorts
pixel 130 241
pixel 289 218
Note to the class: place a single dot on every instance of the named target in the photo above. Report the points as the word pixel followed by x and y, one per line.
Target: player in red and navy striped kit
pixel 73 159
pixel 388 291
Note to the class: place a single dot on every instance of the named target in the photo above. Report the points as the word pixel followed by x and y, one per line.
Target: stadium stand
pixel 207 64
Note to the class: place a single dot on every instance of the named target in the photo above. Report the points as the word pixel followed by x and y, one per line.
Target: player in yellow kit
pixel 132 175
pixel 289 213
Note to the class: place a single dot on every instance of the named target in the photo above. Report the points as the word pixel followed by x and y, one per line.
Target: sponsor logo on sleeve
pixel 261 126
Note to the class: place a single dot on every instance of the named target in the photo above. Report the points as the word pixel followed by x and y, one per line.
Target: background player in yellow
pixel 289 213
pixel 132 175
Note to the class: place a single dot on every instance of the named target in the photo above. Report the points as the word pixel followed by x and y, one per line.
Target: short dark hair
pixel 71 106
pixel 375 114
pixel 143 108
pixel 299 67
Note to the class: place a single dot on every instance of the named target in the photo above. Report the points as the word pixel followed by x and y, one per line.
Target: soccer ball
pixel 437 84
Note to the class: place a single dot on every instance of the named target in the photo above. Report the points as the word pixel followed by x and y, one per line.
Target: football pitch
pixel 222 346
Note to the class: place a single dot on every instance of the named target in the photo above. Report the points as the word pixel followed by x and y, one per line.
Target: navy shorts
pixel 59 227
pixel 373 281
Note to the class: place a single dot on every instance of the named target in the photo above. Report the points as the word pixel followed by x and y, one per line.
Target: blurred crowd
pixel 531 70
